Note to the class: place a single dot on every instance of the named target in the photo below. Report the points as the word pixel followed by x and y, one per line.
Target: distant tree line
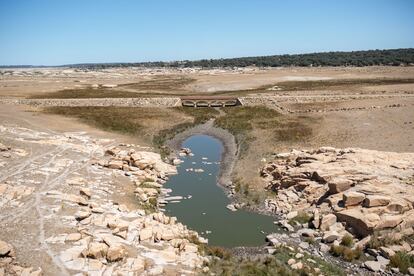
pixel 393 57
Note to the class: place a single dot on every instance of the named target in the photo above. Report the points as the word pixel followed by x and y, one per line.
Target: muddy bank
pixel 230 152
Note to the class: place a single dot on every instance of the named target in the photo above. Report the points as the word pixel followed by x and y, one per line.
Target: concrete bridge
pixel 209 101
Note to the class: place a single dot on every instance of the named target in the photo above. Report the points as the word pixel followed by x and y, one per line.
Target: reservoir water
pixel 204 208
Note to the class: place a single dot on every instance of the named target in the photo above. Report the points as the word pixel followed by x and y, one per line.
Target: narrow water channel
pixel 204 207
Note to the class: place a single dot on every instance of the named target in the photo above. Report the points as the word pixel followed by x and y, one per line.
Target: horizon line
pixel 191 60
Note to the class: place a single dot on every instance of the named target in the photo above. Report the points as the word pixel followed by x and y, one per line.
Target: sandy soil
pixel 251 80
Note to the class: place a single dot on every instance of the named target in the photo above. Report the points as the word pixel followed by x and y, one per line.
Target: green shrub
pixel 219 252
pixel 377 240
pixel 301 218
pixel 402 261
pixel 346 253
pixel 337 250
pixel 310 240
pixel 347 240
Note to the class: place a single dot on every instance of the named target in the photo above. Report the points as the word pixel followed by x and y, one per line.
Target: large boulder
pixel 389 221
pixel 327 221
pixel 115 164
pixel 145 234
pixel 361 224
pixel 373 266
pixel 339 184
pixel 376 200
pixel 97 250
pixel 115 253
pixel 351 198
pixel 330 236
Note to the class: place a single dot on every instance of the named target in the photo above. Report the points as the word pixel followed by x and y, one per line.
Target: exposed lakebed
pixel 204 205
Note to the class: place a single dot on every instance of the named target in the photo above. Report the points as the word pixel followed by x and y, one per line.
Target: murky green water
pixel 206 210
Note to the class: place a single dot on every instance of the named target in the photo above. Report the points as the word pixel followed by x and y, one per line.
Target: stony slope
pixel 67 206
pixel 346 192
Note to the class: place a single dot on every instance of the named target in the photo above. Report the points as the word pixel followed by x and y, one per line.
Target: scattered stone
pixel 327 221
pixel 231 207
pixel 383 261
pixel 72 237
pixel 306 232
pixel 145 234
pixel 375 201
pixel 316 219
pixel 299 255
pixel 6 250
pixel 176 161
pixel 115 253
pixel 386 252
pixel 338 185
pixel 4 148
pixel 297 266
pixel 373 265
pixel 291 261
pixel 362 224
pixel 352 198
pixel 115 164
pixel 292 215
pixel 324 248
pixel 331 236
pixel 82 214
pixel 304 245
pixel 86 192
pixel 97 250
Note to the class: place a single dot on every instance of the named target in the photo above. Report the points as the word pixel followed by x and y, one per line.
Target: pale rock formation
pixel 346 191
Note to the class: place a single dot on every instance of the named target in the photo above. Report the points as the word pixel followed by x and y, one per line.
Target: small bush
pixel 219 252
pixel 310 240
pixel 377 240
pixel 347 240
pixel 346 253
pixel 301 218
pixel 402 261
pixel 337 250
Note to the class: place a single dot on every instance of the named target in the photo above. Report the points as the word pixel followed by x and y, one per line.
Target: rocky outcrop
pixel 129 241
pixel 12 194
pixel 77 195
pixel 8 264
pixel 351 193
pixel 367 190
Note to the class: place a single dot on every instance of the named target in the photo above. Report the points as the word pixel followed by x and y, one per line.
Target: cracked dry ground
pixel 65 214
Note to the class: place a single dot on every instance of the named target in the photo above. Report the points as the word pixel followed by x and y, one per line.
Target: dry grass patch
pixel 337 83
pixel 145 122
pixel 86 93
pixel 153 125
pixel 160 83
pixel 258 130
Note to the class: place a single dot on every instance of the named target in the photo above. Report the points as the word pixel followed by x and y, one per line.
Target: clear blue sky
pixel 53 32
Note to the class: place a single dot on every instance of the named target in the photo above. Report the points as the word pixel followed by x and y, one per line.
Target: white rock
pixel 373 265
